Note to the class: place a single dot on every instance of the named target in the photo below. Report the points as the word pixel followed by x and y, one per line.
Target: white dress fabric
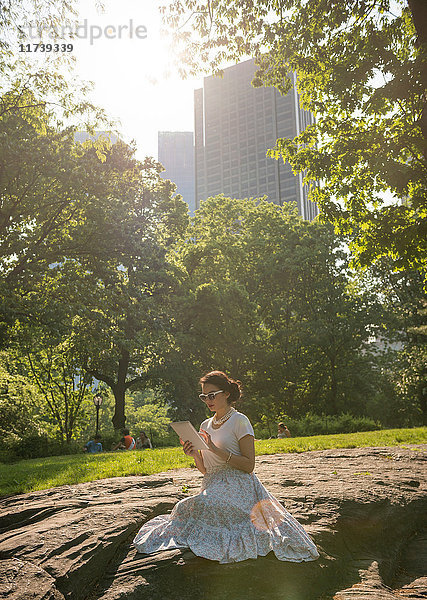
pixel 226 437
pixel 233 518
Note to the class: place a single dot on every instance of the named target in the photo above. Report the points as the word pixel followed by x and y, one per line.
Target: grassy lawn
pixel 44 473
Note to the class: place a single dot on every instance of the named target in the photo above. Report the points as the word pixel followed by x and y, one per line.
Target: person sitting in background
pixel 143 442
pixel 283 431
pixel 94 445
pixel 126 443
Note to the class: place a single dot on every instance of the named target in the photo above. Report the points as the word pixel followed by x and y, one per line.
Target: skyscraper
pixel 176 153
pixel 235 124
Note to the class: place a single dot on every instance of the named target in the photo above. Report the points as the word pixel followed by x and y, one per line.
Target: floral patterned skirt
pixel 232 519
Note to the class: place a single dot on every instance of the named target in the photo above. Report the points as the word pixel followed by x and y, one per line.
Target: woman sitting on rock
pixel 234 517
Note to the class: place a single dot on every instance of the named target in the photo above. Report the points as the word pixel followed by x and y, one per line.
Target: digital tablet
pixel 186 431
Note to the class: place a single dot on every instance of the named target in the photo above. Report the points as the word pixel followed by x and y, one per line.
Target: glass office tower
pixel 235 125
pixel 176 153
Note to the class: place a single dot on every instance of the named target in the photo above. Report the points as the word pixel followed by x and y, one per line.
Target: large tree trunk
pixel 418 10
pixel 119 390
pixel 119 417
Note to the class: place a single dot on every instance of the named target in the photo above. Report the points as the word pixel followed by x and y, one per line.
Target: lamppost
pixel 97 400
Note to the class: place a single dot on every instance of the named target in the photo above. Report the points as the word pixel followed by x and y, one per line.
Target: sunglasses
pixel 210 396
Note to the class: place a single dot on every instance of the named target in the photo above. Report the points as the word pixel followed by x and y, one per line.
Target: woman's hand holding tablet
pixel 187 433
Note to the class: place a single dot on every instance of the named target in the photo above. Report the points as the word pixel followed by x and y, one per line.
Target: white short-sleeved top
pixel 226 437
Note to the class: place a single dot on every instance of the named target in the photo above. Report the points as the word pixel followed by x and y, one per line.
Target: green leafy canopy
pixel 361 69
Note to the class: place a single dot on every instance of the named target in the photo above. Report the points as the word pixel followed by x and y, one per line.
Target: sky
pixel 133 79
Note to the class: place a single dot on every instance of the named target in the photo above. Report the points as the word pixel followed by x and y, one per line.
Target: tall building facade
pixel 235 124
pixel 176 153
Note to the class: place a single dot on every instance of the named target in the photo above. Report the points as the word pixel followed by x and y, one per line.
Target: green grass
pixel 44 473
pixel 383 437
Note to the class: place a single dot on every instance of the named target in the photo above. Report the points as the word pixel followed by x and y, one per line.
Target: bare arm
pixel 190 451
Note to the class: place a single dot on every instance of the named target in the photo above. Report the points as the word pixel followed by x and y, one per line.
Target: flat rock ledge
pixel 364 507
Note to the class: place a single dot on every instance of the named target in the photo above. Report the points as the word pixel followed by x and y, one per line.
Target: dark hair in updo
pixel 224 383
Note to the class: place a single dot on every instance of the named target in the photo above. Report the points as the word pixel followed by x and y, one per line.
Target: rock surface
pixel 364 507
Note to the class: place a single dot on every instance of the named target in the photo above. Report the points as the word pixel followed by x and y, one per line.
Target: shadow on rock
pixel 180 575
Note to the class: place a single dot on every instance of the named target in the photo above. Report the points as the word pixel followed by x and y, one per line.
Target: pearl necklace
pixel 224 418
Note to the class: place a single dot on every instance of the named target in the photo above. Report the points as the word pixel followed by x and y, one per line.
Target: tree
pixel 46 180
pixel 413 383
pixel 62 382
pixel 270 303
pixel 152 418
pixel 311 330
pixel 20 405
pixel 44 186
pixel 361 70
pixel 401 339
pixel 84 228
pixel 127 283
pixel 84 236
pixel 48 186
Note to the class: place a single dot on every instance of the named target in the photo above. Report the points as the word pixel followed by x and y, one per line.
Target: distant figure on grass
pixel 126 443
pixel 94 445
pixel 283 431
pixel 234 517
pixel 143 442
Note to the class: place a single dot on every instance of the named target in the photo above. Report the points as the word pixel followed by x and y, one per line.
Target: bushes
pixel 312 424
pixel 41 445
